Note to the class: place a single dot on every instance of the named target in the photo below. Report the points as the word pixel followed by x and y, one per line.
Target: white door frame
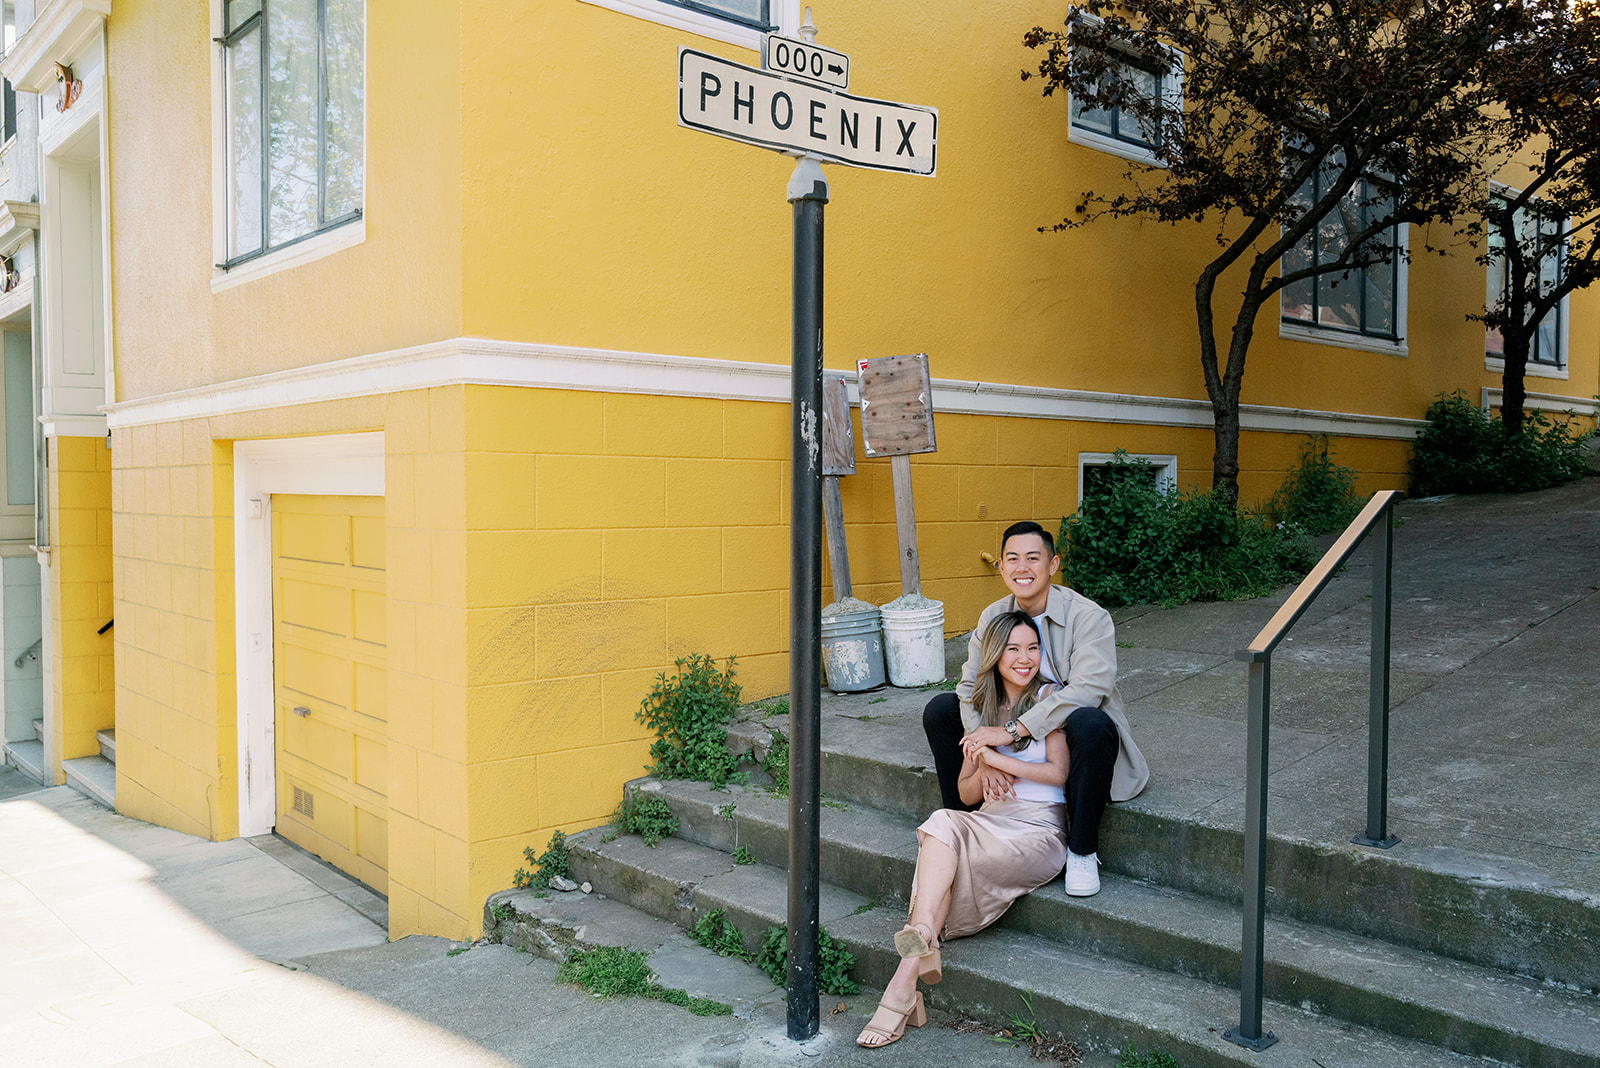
pixel 338 464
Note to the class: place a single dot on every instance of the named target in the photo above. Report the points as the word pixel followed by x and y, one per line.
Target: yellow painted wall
pixel 81 696
pixel 177 762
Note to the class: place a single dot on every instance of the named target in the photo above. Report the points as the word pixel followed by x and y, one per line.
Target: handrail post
pixel 1382 535
pixel 1251 948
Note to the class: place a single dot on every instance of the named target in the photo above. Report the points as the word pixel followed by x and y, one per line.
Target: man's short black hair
pixel 1027 526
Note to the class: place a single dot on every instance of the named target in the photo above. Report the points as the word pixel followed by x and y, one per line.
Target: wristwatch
pixel 1011 729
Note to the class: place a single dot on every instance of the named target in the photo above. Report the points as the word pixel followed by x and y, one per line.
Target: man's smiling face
pixel 1026 564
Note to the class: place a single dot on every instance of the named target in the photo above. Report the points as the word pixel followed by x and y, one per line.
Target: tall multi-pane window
pixel 293 71
pixel 1360 300
pixel 1539 229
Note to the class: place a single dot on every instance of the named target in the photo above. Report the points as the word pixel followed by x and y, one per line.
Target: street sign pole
pixel 808 192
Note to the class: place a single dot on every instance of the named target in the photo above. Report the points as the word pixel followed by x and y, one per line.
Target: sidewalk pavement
pixel 128 944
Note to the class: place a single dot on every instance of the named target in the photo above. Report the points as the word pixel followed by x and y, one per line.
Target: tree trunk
pixel 1518 340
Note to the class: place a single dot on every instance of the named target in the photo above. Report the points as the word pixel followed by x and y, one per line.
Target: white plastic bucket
pixel 852 651
pixel 913 641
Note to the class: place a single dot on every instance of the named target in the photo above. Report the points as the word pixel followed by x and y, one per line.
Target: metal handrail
pixel 1377 518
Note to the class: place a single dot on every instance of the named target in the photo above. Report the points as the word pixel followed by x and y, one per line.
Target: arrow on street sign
pixel 801 59
pixel 797 118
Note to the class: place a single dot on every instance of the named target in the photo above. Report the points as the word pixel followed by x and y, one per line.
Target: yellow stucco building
pixel 414 390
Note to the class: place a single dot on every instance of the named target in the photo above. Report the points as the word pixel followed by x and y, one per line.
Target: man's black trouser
pixel 1092 744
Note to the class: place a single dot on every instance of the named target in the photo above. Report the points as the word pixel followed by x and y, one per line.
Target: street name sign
pixel 809 61
pixel 795 117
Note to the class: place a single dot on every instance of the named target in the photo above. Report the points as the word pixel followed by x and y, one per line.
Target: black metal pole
pixel 1377 832
pixel 808 192
pixel 1251 956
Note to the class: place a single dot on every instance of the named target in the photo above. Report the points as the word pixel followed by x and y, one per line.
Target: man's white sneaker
pixel 1083 874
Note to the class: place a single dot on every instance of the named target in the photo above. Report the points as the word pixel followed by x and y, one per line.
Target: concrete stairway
pixel 95 777
pixel 1372 959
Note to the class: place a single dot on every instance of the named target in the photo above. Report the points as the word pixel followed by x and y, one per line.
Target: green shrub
pixel 1319 496
pixel 690 714
pixel 1464 449
pixel 547 865
pixel 645 815
pixel 834 963
pixel 1133 542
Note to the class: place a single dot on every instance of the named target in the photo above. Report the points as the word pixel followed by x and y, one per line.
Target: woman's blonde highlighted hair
pixel 989 689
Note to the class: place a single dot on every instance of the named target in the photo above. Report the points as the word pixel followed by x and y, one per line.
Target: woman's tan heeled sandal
pixel 889 1023
pixel 917 941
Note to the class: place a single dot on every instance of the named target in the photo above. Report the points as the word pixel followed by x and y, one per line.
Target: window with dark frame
pixel 1134 76
pixel 293 76
pixel 1543 235
pixel 1361 300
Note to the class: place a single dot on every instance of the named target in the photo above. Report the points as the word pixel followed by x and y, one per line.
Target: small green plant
pixel 1318 496
pixel 834 963
pixel 942 684
pixel 689 713
pixel 718 934
pixel 877 700
pixel 456 951
pixel 645 815
pixel 776 763
pixel 613 971
pixel 1024 1027
pixel 1464 449
pixel 742 855
pixel 1129 1057
pixel 547 865
pixel 502 912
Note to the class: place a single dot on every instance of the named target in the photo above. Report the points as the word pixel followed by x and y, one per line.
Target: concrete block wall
pixel 83 682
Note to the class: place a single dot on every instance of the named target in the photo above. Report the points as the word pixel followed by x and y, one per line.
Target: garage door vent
pixel 305 803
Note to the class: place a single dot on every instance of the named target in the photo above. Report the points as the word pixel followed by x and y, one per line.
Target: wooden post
pixel 905 525
pixel 838 458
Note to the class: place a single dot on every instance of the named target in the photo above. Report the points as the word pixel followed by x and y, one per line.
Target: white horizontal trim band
pixel 480 361
pixel 1493 397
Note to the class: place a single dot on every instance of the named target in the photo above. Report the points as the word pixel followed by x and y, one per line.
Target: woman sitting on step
pixel 972 865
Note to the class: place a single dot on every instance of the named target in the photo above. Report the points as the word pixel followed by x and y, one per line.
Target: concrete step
pixel 1096 1000
pixel 38 729
pixel 108 743
pixel 28 757
pixel 1422 996
pixel 94 777
pixel 1474 909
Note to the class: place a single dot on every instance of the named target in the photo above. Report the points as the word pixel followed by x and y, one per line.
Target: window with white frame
pixel 1129 76
pixel 1540 229
pixel 752 13
pixel 1100 470
pixel 1363 300
pixel 294 87
pixel 739 22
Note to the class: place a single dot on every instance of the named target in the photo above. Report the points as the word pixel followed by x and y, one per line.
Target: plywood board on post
pixel 897 421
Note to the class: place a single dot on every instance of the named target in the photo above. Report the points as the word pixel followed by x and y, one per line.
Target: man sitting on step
pixel 1079 651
